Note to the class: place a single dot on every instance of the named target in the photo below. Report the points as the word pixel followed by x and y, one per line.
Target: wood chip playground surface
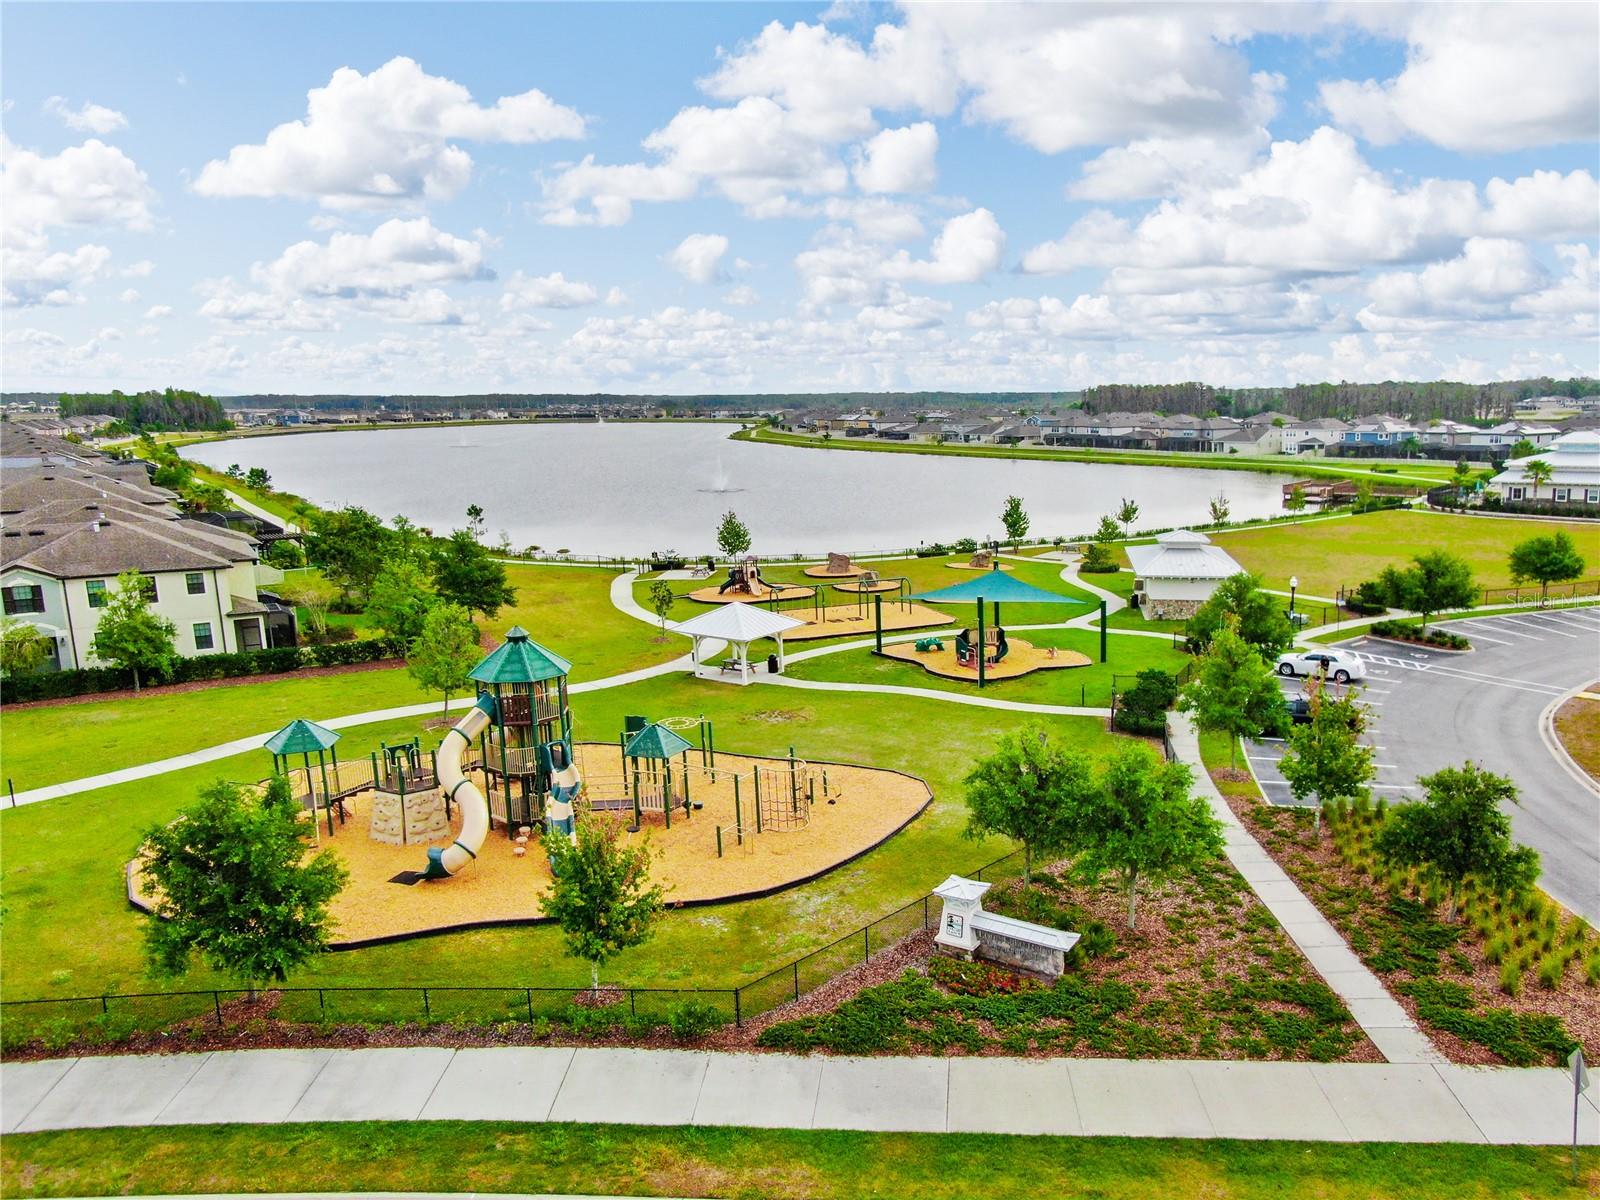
pixel 1023 658
pixel 863 807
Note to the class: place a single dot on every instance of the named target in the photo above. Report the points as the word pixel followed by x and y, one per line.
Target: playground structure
pixel 984 651
pixel 838 566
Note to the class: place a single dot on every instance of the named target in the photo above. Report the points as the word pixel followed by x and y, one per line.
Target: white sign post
pixel 1580 1084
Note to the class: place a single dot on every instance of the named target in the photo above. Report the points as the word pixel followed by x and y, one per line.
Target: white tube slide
pixel 443 863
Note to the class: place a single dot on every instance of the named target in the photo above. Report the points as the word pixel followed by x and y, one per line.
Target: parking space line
pixel 1519 685
pixel 1516 633
pixel 1484 637
pixel 1537 622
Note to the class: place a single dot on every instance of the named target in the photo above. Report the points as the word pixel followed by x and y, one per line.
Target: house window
pixel 202 635
pixel 96 589
pixel 1592 496
pixel 148 586
pixel 1561 495
pixel 23 598
pixel 195 582
pixel 1514 493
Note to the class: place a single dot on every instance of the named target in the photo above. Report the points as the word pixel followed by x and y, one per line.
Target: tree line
pixel 168 410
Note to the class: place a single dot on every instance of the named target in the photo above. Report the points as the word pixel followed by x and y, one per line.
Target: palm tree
pixel 1538 472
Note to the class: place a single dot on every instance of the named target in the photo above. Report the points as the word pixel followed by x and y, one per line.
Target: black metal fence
pixel 118 1014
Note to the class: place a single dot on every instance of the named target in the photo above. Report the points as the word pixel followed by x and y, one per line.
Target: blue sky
pixel 732 197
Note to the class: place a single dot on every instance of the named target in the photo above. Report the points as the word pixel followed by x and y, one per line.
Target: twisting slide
pixel 457 787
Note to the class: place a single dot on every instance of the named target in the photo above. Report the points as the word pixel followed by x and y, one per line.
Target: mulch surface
pixel 156 691
pixel 1305 857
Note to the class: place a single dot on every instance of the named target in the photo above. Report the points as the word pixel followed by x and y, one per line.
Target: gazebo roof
pixel 655 741
pixel 301 737
pixel 996 585
pixel 738 623
pixel 520 660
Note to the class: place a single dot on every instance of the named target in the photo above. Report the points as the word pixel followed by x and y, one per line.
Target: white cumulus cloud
pixel 899 160
pixel 382 139
pixel 546 291
pixel 698 258
pixel 87 117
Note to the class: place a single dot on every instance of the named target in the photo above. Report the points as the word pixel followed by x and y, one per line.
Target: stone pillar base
pixel 424 818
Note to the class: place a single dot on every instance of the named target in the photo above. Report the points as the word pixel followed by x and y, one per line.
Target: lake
pixel 629 489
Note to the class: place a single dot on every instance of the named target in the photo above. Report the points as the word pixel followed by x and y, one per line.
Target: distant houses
pixel 72 520
pixel 1573 468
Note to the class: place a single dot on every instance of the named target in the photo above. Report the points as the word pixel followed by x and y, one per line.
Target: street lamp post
pixel 1294 586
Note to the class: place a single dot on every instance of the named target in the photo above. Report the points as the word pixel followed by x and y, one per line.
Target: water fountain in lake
pixel 720 483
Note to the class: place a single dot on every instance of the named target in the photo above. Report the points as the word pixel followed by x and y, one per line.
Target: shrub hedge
pixel 56 685
pixel 1402 632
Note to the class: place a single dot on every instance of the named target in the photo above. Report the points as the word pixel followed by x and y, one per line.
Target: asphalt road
pixel 1433 709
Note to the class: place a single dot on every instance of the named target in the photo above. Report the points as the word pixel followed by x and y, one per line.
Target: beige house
pixel 1174 577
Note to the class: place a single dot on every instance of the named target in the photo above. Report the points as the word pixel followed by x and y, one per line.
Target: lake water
pixel 628 489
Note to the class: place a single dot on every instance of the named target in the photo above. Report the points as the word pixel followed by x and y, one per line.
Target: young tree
pixel 1522 448
pixel 314 594
pixel 230 882
pixel 476 524
pixel 1220 508
pixel 257 479
pixel 444 651
pixel 1326 757
pixel 1435 581
pixel 1296 500
pixel 130 635
pixel 399 599
pixel 1127 513
pixel 1015 519
pixel 1142 825
pixel 465 573
pixel 350 545
pixel 1459 829
pixel 23 648
pixel 1460 475
pixel 1539 473
pixel 1099 557
pixel 1234 692
pixel 600 893
pixel 1025 791
pixel 662 598
pixel 1546 560
pixel 1257 617
pixel 733 536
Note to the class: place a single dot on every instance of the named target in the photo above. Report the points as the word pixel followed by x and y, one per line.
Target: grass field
pixel 567 608
pixel 69 930
pixel 437 1156
pixel 1326 554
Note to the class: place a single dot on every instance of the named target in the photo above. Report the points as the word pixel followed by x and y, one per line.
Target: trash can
pixel 772 664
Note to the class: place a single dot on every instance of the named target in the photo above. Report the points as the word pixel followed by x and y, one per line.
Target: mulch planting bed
pixel 1437 971
pixel 1207 974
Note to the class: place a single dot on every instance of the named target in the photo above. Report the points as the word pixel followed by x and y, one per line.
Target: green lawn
pixel 1326 554
pixel 484 1157
pixel 69 931
pixel 1089 685
pixel 567 608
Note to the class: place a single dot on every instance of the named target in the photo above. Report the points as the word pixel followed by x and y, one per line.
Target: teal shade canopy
pixel 301 737
pixel 520 660
pixel 998 586
pixel 655 741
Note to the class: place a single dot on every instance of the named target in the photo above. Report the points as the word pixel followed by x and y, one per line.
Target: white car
pixel 1341 666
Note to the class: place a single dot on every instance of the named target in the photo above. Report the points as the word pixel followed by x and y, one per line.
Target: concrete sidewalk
pixel 1339 1102
pixel 1377 1012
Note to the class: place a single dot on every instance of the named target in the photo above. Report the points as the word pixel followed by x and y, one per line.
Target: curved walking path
pixel 1377 1012
pixel 1338 1102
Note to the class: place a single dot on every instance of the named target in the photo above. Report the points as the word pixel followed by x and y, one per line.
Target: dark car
pixel 1300 710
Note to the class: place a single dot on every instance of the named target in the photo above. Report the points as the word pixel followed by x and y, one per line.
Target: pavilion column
pixel 781 662
pixel 744 661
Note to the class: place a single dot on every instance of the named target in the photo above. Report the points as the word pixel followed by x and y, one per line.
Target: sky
pixel 420 198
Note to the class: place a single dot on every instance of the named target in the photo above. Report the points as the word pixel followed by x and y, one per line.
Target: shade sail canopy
pixel 301 737
pixel 738 623
pixel 997 586
pixel 655 741
pixel 520 660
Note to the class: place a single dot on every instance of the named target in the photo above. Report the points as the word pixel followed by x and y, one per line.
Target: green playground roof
pixel 520 660
pixel 301 737
pixel 655 741
pixel 996 585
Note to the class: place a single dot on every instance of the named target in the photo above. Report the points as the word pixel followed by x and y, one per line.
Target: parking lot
pixel 1433 709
